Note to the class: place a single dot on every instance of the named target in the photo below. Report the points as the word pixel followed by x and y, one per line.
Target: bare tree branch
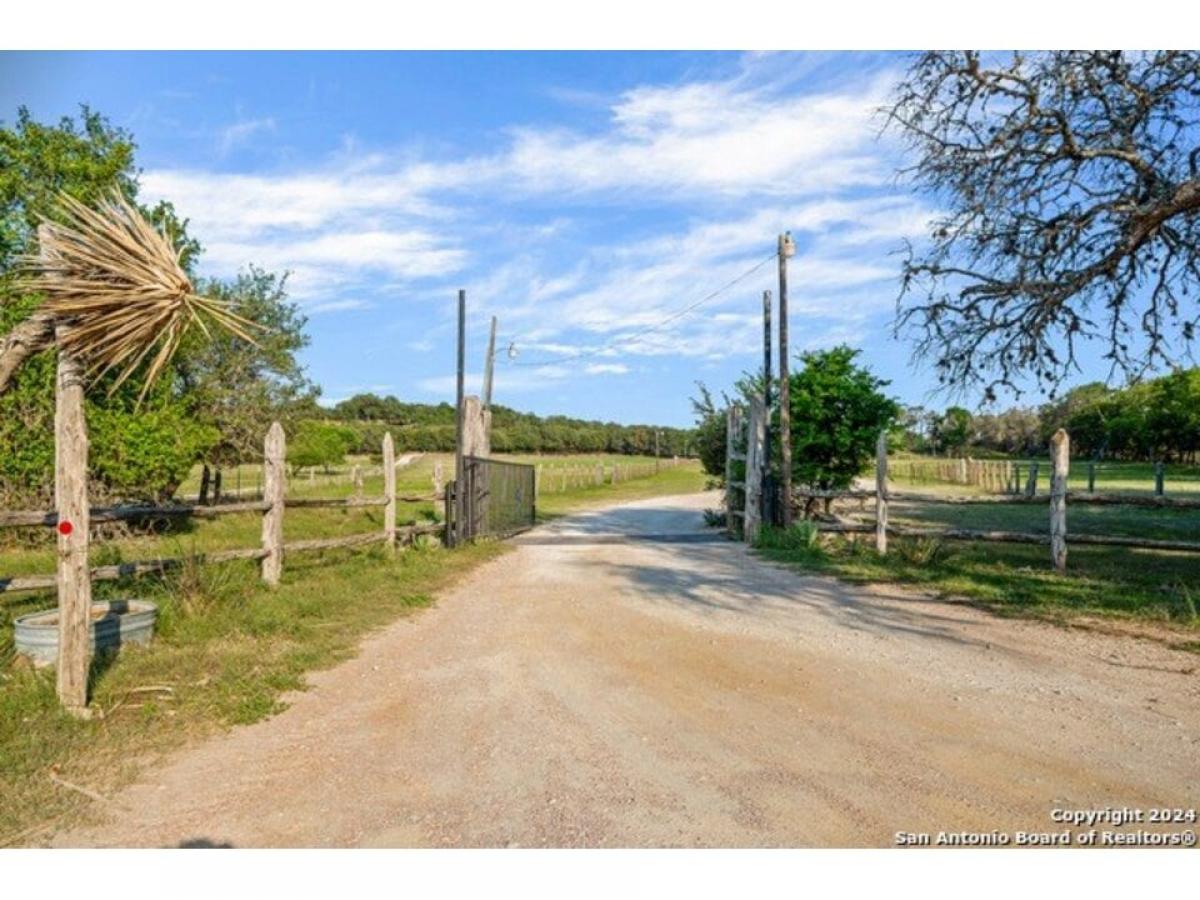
pixel 1073 211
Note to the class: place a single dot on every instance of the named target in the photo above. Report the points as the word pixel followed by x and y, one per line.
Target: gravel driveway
pixel 626 678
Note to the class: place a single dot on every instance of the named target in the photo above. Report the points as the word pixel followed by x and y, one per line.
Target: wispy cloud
pixel 702 174
pixel 240 132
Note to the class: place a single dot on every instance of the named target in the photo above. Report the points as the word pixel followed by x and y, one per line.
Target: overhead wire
pixel 649 329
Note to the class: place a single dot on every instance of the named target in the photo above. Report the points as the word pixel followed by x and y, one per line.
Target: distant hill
pixel 427 426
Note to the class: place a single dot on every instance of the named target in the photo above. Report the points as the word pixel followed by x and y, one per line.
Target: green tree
pixel 837 412
pixel 83 158
pixel 952 431
pixel 237 387
pixel 318 444
pixel 217 397
pixel 709 432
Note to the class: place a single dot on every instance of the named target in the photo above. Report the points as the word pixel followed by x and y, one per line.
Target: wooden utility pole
pixel 786 249
pixel 488 365
pixel 1060 457
pixel 71 500
pixel 766 446
pixel 458 419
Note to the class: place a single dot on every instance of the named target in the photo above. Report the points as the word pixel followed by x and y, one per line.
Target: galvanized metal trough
pixel 114 623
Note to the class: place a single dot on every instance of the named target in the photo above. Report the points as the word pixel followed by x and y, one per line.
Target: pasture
pixel 227 647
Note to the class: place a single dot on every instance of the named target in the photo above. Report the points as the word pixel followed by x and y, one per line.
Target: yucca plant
pixel 115 293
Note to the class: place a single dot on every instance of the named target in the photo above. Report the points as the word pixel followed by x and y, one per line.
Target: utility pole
pixel 787 249
pixel 458 418
pixel 487 367
pixel 768 500
pixel 656 436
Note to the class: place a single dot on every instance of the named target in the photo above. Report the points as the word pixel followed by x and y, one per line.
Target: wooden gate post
pixel 756 440
pixel 274 490
pixel 1060 455
pixel 389 492
pixel 881 498
pixel 733 423
pixel 472 490
pixel 1158 479
pixel 71 500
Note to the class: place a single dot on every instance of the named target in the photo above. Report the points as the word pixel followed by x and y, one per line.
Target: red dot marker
pixel 65 528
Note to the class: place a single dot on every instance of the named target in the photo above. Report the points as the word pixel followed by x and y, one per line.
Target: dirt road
pixel 626 678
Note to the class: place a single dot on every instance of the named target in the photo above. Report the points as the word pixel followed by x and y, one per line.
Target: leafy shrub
pixel 319 444
pixel 925 551
pixel 715 518
pixel 803 536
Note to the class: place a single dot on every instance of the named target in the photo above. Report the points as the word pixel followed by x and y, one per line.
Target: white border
pixel 595 24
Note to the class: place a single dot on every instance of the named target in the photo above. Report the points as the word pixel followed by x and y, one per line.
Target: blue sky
pixel 581 198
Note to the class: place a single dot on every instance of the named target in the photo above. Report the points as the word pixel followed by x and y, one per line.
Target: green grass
pixel 1117 582
pixel 226 647
pixel 686 478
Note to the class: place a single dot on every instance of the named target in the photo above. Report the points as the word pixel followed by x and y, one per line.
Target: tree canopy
pixel 1071 185
pixel 208 398
pixel 838 409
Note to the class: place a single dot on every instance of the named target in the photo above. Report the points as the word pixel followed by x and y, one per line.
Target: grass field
pixel 1131 583
pixel 1116 477
pixel 226 647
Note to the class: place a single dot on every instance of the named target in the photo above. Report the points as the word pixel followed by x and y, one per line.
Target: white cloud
pixel 368 225
pixel 710 137
pixel 240 132
pixel 606 369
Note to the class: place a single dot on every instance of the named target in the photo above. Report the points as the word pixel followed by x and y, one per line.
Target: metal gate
pixel 497 499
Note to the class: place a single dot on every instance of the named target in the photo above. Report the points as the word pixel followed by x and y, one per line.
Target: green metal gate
pixel 496 500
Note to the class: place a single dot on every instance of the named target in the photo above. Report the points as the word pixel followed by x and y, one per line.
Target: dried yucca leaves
pixel 117 291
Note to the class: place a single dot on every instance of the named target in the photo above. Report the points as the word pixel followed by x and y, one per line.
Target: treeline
pixel 1155 420
pixel 431 427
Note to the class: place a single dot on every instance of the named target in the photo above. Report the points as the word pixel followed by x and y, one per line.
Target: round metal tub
pixel 114 623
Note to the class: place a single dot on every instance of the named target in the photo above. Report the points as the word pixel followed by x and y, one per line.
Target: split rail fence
pixel 74 577
pixel 1058 499
pixel 559 479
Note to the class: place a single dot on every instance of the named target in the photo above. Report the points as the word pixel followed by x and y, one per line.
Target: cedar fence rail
pixel 1058 500
pixel 271 507
pixel 74 586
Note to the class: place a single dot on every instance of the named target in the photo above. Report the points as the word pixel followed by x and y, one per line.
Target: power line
pixel 625 339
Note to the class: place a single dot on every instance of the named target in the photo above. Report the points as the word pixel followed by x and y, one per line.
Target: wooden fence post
pixel 756 466
pixel 1031 484
pixel 439 481
pixel 1091 478
pixel 1158 479
pixel 389 491
pixel 732 428
pixel 1060 455
pixel 205 478
pixel 71 499
pixel 274 489
pixel 881 499
pixel 357 479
